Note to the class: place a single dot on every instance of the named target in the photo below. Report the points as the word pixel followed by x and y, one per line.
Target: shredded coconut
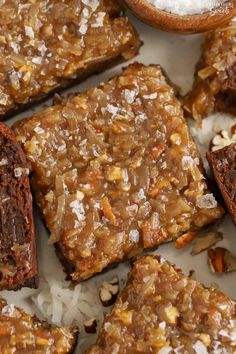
pixel 187 7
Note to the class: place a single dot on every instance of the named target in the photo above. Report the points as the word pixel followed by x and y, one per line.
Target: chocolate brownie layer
pixel 223 164
pixel 18 264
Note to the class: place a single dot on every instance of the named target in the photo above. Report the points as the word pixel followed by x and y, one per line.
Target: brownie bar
pixel 115 171
pixel 214 87
pixel 223 164
pixel 21 333
pixel 18 262
pixel 46 44
pixel 162 311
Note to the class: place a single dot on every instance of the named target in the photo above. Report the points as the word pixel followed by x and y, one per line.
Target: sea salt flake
pixel 3 99
pixel 140 118
pixel 129 95
pixel 37 60
pixel 39 130
pixel 29 32
pixel 93 4
pixel 19 171
pixel 99 20
pixel 200 348
pixel 110 108
pixel 165 350
pixel 134 236
pixel 78 210
pixel 206 201
pixel 187 7
pixel 162 325
pixel 152 96
pixel 187 163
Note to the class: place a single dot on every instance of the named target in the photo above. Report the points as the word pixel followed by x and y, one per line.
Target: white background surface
pixel 178 55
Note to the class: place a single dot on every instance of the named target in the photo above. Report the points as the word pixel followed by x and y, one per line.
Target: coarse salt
pixel 207 201
pixel 187 7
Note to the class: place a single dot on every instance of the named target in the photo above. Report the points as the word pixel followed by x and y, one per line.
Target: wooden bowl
pixel 183 24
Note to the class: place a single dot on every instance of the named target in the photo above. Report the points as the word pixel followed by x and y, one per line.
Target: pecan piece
pixel 90 326
pixel 109 292
pixel 223 139
pixel 221 260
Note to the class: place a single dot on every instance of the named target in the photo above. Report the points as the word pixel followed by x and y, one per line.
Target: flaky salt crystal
pixel 200 348
pixel 187 7
pixel 152 96
pixel 99 20
pixel 29 32
pixel 78 210
pixel 207 201
pixel 187 163
pixel 134 236
pixel 129 95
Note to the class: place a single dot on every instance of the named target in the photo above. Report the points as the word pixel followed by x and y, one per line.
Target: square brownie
pixel 18 259
pixel 115 171
pixel 45 45
pixel 223 164
pixel 214 87
pixel 163 311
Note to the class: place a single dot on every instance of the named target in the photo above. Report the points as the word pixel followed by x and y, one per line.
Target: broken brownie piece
pixel 18 263
pixel 215 80
pixel 21 333
pixel 163 311
pixel 44 45
pixel 223 164
pixel 116 171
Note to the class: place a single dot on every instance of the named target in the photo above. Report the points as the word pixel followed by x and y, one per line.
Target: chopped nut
pixel 158 150
pixel 126 317
pixel 171 314
pixel 205 338
pixel 3 162
pixel 176 139
pixel 223 139
pixel 185 239
pixel 115 173
pixel 90 326
pixel 19 171
pixel 206 72
pixel 192 274
pixel 109 292
pixel 221 260
pixel 107 210
pixel 206 241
